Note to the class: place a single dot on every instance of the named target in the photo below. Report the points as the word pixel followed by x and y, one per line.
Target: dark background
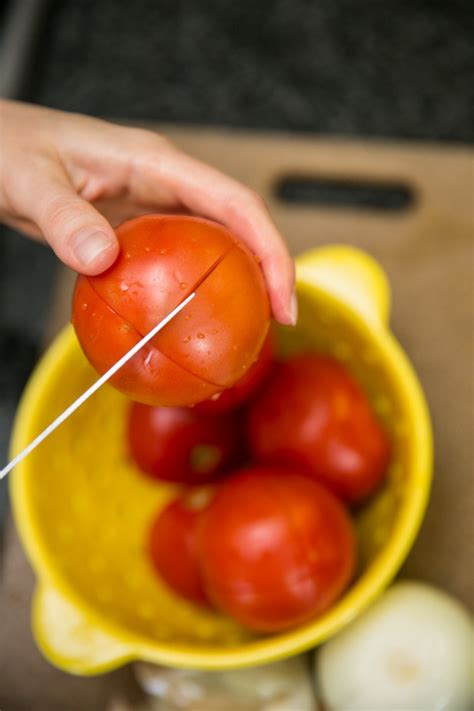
pixel 367 68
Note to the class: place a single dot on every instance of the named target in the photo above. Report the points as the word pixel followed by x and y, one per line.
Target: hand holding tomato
pixel 68 178
pixel 313 415
pixel 209 345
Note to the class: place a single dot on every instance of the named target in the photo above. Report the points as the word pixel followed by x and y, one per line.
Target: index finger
pixel 210 193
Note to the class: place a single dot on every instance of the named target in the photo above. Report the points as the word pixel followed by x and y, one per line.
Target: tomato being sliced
pixel 182 445
pixel 172 545
pixel 275 548
pixel 206 347
pixel 314 415
pixel 161 260
pixel 145 374
pixel 219 335
pixel 245 388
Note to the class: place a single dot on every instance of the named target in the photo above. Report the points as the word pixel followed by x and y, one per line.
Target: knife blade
pixel 93 388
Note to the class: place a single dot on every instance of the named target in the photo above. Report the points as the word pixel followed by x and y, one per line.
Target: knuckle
pixel 148 141
pixel 246 201
pixel 57 209
pixel 61 218
pixel 149 151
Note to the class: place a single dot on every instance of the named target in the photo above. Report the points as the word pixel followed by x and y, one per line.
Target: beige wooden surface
pixel 427 252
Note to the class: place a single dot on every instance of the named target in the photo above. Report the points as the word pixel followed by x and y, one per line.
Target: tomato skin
pixel 220 333
pixel 148 375
pixel 208 346
pixel 172 549
pixel 161 259
pixel 275 548
pixel 245 388
pixel 181 445
pixel 313 415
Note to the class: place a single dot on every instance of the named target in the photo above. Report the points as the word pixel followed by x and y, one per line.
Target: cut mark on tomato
pixel 182 297
pixel 126 322
pixel 196 349
pixel 188 370
pixel 140 335
pixel 209 271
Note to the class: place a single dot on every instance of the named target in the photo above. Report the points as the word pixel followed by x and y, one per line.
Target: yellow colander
pixel 83 511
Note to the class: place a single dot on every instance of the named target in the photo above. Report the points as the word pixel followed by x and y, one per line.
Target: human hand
pixel 67 178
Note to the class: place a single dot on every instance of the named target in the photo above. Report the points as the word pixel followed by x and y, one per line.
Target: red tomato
pixel 275 548
pixel 313 415
pixel 181 445
pixel 204 349
pixel 245 388
pixel 172 546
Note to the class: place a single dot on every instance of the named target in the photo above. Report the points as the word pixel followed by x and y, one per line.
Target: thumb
pixel 81 237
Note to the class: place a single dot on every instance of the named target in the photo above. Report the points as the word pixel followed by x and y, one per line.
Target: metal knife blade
pixel 94 387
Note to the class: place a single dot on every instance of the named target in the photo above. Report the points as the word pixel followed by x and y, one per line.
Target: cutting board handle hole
pixel 345 193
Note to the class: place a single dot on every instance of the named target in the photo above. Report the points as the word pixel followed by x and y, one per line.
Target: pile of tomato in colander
pixel 271 456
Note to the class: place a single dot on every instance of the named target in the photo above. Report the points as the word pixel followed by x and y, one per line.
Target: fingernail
pixel 293 309
pixel 87 246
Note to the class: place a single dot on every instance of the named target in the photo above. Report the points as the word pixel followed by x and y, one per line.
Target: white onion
pixel 411 651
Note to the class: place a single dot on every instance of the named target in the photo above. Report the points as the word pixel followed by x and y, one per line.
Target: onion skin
pixel 411 650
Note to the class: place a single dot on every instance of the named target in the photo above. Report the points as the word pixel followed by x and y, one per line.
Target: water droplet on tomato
pixel 162 251
pixel 148 358
pixel 186 339
pixel 201 335
pixel 128 256
pixel 84 306
pixel 123 286
pixel 214 330
pixel 184 285
pixel 147 249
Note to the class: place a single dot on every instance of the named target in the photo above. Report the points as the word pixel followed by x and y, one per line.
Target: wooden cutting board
pixel 423 238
